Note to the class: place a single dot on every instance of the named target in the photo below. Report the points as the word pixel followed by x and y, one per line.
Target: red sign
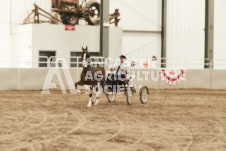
pixel 70 27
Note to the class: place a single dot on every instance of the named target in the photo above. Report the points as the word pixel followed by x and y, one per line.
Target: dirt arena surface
pixel 173 120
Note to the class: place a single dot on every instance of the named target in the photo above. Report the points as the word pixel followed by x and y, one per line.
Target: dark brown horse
pixel 92 76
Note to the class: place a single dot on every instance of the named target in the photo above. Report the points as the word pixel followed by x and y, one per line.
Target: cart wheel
pixel 144 95
pixel 129 96
pixel 68 19
pixel 92 12
pixel 73 20
pixel 111 95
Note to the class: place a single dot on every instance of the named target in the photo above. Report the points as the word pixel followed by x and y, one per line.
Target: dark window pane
pixel 44 54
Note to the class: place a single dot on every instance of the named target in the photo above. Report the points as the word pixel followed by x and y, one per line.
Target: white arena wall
pixel 141 21
pixel 33 79
pixel 4 29
pixel 185 30
pixel 219 34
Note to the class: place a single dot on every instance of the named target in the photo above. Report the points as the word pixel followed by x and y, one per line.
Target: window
pixel 43 61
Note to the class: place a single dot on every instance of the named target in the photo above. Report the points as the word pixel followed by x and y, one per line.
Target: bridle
pixel 84 63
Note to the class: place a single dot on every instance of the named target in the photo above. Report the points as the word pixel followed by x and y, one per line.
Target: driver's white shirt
pixel 124 65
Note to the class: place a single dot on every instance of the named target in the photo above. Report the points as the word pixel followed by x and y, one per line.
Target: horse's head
pixel 85 56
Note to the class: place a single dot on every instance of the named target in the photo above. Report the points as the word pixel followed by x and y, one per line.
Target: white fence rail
pixel 186 63
pixel 76 62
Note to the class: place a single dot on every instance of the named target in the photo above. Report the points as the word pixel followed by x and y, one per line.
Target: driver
pixel 121 69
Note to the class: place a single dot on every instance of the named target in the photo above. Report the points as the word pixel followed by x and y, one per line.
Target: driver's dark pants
pixel 121 79
pixel 116 80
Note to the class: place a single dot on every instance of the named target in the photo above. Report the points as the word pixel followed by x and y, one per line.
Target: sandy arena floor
pixel 173 120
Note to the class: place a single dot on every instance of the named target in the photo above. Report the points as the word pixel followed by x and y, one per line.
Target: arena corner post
pixel 163 35
pixel 209 34
pixel 104 28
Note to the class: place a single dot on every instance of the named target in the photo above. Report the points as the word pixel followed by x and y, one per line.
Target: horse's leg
pixel 103 85
pixel 98 86
pixel 90 97
pixel 97 93
pixel 76 86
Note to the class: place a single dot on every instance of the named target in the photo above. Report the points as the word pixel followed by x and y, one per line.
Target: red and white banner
pixel 174 76
pixel 70 27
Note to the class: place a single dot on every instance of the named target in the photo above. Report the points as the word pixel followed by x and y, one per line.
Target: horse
pixel 92 76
